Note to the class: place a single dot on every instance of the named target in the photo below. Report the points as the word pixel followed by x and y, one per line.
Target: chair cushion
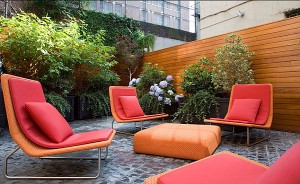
pixel 220 168
pixel 78 139
pixel 255 91
pixel 244 110
pixel 131 106
pixel 285 170
pixel 116 93
pixel 49 120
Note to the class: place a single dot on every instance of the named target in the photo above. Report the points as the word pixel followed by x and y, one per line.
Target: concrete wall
pixel 255 13
pixel 161 43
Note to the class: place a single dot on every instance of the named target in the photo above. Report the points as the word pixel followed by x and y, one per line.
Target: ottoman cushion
pixel 178 140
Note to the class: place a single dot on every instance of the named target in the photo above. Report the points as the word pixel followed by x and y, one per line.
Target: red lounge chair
pixel 125 107
pixel 251 106
pixel 228 168
pixel 39 129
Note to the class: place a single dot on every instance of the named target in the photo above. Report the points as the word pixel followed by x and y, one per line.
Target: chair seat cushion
pixel 285 170
pixel 78 139
pixel 131 106
pixel 244 110
pixel 49 120
pixel 220 168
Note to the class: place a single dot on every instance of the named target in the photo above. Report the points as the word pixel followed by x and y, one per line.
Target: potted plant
pixel 155 90
pixel 232 66
pixel 199 92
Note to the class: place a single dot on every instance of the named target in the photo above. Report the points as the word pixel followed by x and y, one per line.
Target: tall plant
pixel 232 64
pixel 129 55
pixel 50 52
pixel 197 85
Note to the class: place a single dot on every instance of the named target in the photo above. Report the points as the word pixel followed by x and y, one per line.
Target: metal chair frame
pixel 56 177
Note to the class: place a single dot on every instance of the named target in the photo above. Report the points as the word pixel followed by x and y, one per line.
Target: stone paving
pixel 122 165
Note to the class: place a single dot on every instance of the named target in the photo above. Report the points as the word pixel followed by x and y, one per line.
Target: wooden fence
pixel 276 60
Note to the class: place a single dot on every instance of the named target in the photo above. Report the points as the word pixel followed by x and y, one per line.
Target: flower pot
pixel 170 109
pixel 81 109
pixel 223 108
pixel 70 115
pixel 182 119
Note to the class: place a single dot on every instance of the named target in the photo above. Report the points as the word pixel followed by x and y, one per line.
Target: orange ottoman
pixel 185 141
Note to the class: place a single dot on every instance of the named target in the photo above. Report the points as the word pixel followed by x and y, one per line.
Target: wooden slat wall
pixel 276 60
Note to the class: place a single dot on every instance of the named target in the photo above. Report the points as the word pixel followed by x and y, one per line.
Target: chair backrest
pixel 285 170
pixel 256 91
pixel 116 107
pixel 18 92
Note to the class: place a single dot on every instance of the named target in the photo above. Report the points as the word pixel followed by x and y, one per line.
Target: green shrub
pixel 232 64
pixel 58 102
pixel 196 77
pixel 197 106
pixel 43 50
pixel 150 75
pixel 98 103
pixel 52 53
pixel 150 104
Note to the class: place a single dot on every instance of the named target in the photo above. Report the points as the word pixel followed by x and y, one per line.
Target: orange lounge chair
pixel 125 107
pixel 39 129
pixel 226 167
pixel 251 106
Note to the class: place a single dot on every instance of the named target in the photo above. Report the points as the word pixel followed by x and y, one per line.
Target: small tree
pixel 128 54
pixel 232 64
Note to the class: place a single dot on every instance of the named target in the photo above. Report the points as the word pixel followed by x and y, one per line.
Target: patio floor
pixel 123 165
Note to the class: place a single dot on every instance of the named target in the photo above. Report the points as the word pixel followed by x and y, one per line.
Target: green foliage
pixel 43 50
pixel 150 75
pixel 58 102
pixel 128 54
pixel 232 64
pixel 197 106
pixel 57 9
pixel 150 104
pixel 144 41
pixel 98 102
pixel 197 77
pixel 113 24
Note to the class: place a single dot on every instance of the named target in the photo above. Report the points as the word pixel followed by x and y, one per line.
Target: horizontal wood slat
pixel 276 60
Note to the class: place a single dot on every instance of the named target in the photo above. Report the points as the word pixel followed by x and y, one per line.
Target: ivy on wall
pixel 113 24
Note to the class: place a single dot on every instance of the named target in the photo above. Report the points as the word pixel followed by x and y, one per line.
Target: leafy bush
pixel 164 91
pixel 52 53
pixel 98 102
pixel 232 64
pixel 150 75
pixel 58 102
pixel 150 104
pixel 197 77
pixel 197 106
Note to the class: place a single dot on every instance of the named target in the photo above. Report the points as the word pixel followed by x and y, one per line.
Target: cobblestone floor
pixel 122 165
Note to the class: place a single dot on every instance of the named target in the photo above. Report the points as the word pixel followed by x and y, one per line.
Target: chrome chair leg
pixel 52 177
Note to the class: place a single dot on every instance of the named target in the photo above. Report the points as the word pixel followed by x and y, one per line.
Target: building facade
pixel 173 14
pixel 219 17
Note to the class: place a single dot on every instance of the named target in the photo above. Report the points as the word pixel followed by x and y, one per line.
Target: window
pixel 118 9
pixel 167 21
pixel 157 3
pixel 92 5
pixel 108 7
pixel 177 23
pixel 143 15
pixel 157 19
pixel 171 5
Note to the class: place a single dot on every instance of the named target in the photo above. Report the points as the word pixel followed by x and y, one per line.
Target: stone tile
pixel 123 165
